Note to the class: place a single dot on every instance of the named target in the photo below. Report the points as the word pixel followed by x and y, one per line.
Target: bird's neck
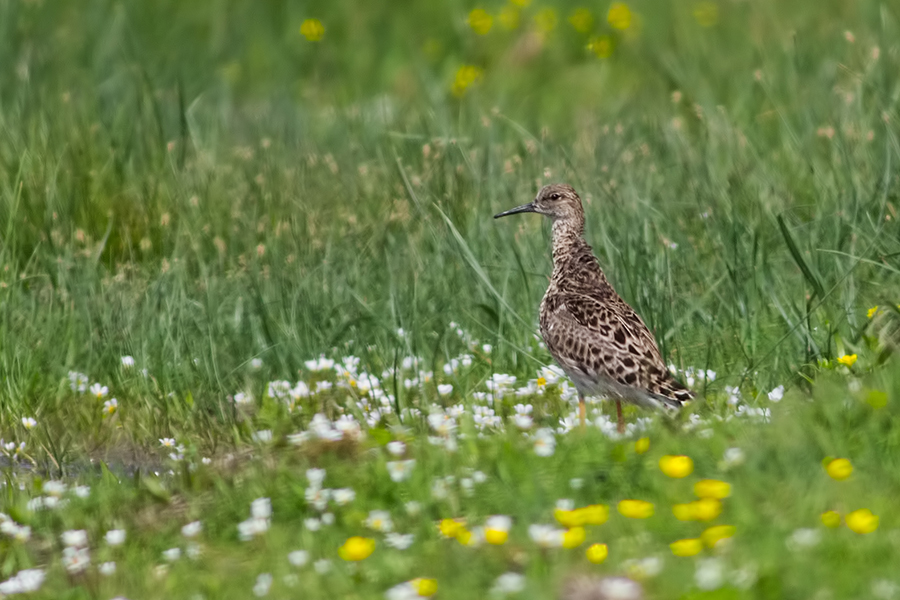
pixel 568 239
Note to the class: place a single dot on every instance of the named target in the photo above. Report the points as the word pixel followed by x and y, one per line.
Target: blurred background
pixel 200 183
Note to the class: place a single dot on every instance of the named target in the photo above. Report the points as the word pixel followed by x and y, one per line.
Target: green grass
pixel 196 185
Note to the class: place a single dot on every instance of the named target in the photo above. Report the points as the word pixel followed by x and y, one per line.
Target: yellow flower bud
pixel 715 534
pixel 831 519
pixel 496 537
pixel 635 509
pixel 573 537
pixel 642 445
pixel 862 521
pixel 451 527
pixel 356 548
pixel 683 512
pixel 425 588
pixel 847 359
pixel 688 547
pixel 569 518
pixel 706 509
pixel 594 514
pixel 839 469
pixel 712 488
pixel 676 466
pixel 597 553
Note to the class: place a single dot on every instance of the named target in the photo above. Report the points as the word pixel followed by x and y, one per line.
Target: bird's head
pixel 557 201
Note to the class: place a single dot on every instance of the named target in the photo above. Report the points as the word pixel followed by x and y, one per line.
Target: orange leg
pixel 581 410
pixel 621 427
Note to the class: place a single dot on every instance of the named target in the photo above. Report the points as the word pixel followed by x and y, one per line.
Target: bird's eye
pixel 554 196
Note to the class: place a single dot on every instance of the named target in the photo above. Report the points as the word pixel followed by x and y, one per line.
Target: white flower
pixel 172 554
pixel 28 422
pixel 76 560
pixel 127 361
pixel 75 538
pixel 100 391
pixel 261 508
pixel 26 580
pixel 523 422
pixel 320 364
pixel 191 529
pixel 399 541
pixel 400 470
pixel 167 442
pixel 479 476
pixel 82 491
pixel 312 524
pixel 327 518
pixel 709 573
pixel 404 591
pixel 322 566
pixel 498 523
pixel 110 406
pixel 576 483
pixel 643 568
pixel 413 508
pixel 508 583
pixel 444 389
pixel 379 520
pixel 115 537
pixel 256 364
pixel 777 394
pixel 107 568
pixel 619 588
pixel 343 496
pixel 318 497
pixel 298 558
pixel 396 448
pixel 263 436
pixel 486 348
pixel 315 477
pixel 241 399
pixel 251 528
pixel 263 583
pixel 54 488
pixel 565 504
pixel 803 538
pixel 732 458
pixel 544 442
pixel 546 536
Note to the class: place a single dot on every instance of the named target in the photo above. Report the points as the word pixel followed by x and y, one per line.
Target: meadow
pixel 260 336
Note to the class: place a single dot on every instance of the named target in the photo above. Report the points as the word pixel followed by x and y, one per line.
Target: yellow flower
pixel 595 514
pixel 643 444
pixel 831 519
pixel 847 359
pixel 688 547
pixel 496 537
pixel 839 469
pixel 706 509
pixel 496 529
pixel 872 311
pixel 619 16
pixel 706 13
pixel 545 20
pixel 676 466
pixel 717 533
pixel 480 21
pixel 356 548
pixel 312 30
pixel 509 17
pixel 862 521
pixel 582 20
pixel 602 46
pixel 712 488
pixel 465 537
pixel 573 537
pixel 466 77
pixel 450 528
pixel 425 588
pixel 597 553
pixel 635 509
pixel 683 512
pixel 569 518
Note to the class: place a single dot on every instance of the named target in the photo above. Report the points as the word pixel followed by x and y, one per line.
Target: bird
pixel 600 342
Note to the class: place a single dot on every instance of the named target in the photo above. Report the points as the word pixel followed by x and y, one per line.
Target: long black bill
pixel 519 209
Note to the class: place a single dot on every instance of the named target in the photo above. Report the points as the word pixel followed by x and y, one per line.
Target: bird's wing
pixel 609 339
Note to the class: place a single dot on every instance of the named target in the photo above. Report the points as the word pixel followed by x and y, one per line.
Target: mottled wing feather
pixel 608 339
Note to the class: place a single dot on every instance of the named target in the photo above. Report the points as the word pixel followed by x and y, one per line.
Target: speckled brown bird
pixel 595 336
